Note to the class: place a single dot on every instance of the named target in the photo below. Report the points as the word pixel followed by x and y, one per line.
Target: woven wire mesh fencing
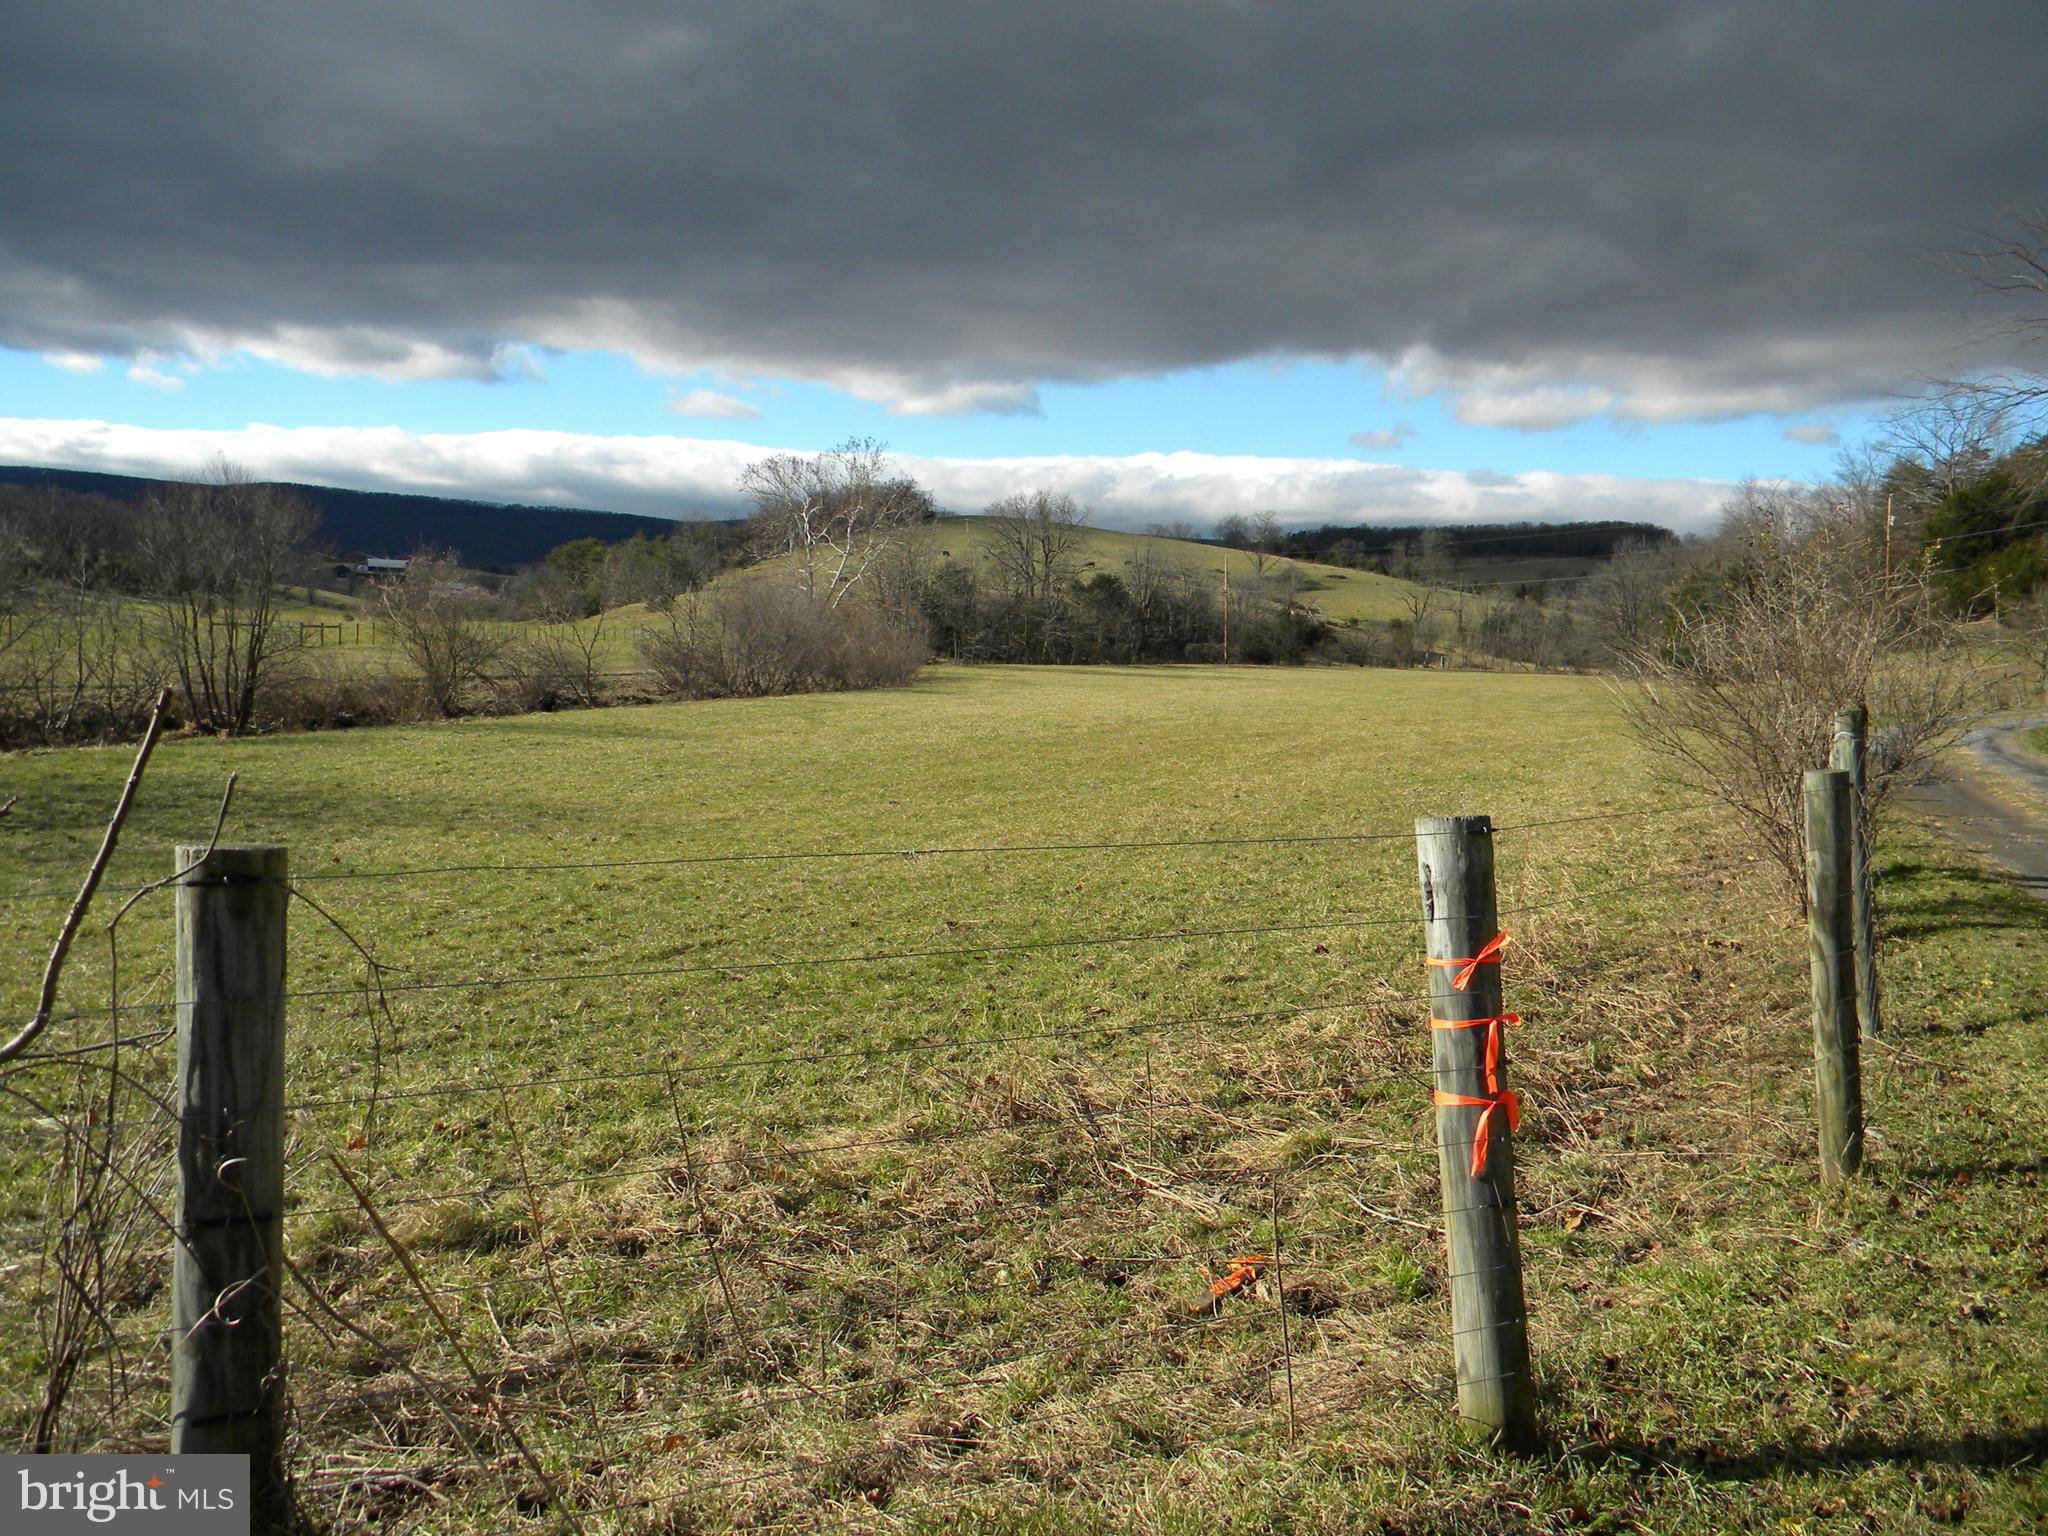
pixel 768 1187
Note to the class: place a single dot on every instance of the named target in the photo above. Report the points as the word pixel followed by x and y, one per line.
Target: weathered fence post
pixel 226 1395
pixel 1850 725
pixel 1474 1127
pixel 1837 1072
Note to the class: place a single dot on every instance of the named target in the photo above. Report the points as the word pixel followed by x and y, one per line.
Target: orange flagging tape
pixel 1496 1097
pixel 1243 1271
pixel 1489 954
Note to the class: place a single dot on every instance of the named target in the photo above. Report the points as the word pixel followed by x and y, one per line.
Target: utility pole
pixel 1226 608
pixel 1887 541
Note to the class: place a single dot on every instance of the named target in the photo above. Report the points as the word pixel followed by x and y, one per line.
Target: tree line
pixel 1387 547
pixel 104 603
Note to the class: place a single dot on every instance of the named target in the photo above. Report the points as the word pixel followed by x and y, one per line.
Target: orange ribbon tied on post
pixel 1489 954
pixel 1496 1097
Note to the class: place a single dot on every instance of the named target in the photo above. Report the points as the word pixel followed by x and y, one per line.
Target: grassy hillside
pixel 1341 595
pixel 918 1234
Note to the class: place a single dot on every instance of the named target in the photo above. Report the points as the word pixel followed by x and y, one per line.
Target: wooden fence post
pixel 1489 1333
pixel 1837 1071
pixel 1850 726
pixel 226 1395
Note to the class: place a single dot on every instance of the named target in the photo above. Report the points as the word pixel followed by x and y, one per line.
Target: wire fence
pixel 829 1255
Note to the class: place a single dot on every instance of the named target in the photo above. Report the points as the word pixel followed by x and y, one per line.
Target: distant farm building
pixel 370 565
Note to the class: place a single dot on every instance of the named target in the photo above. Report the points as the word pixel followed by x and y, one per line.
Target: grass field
pixel 1341 595
pixel 924 1243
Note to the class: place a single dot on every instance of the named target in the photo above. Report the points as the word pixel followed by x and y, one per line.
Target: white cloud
pixel 1814 432
pixel 674 476
pixel 962 400
pixel 1542 408
pixel 363 351
pixel 1391 437
pixel 710 403
pixel 144 371
pixel 335 352
pixel 75 362
pixel 1553 388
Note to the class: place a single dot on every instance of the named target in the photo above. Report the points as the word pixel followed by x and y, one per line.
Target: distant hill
pixel 1343 596
pixel 488 535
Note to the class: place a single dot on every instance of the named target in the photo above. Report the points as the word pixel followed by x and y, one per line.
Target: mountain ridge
pixel 488 535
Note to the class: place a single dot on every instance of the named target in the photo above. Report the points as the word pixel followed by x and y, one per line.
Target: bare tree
pixel 2012 265
pixel 444 626
pixel 1235 531
pixel 1426 565
pixel 1264 539
pixel 1147 573
pixel 751 637
pixel 1939 447
pixel 1035 540
pixel 18 616
pixel 557 661
pixel 1627 596
pixel 1762 650
pixel 834 512
pixel 219 555
pixel 901 577
pixel 1035 544
pixel 1967 426
pixel 87 665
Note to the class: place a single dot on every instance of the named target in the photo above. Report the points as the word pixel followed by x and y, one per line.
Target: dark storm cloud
pixel 1556 210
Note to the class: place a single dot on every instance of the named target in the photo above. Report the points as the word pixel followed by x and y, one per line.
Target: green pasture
pixel 885 1191
pixel 1341 595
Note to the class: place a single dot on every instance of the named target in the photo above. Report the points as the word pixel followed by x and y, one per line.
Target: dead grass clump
pixel 462 1225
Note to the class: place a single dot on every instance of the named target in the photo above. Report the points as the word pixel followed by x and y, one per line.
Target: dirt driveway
pixel 1996 804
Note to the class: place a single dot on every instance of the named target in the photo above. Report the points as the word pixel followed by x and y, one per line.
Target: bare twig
pixel 53 968
pixel 399 1361
pixel 1280 1304
pixel 374 1009
pixel 220 819
pixel 711 1239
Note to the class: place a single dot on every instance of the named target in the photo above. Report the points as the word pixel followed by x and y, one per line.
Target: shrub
pixel 444 628
pixel 1739 693
pixel 555 667
pixel 322 694
pixel 754 638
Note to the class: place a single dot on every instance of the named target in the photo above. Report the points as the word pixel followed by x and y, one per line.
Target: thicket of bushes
pixel 1154 611
pixel 754 638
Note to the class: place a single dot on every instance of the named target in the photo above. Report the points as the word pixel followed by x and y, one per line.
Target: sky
pixel 1182 258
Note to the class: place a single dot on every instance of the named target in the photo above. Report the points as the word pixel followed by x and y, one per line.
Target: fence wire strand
pixel 1156 1158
